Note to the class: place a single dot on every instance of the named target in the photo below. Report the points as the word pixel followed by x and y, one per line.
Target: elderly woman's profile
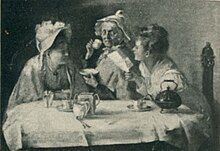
pixel 51 70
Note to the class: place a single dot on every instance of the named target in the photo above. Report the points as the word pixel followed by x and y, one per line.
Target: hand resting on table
pixel 62 94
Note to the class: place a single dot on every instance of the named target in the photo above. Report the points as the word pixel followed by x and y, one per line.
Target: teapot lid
pixel 168 88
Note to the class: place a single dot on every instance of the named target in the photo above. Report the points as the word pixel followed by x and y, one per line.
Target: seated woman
pixel 110 83
pixel 151 50
pixel 51 70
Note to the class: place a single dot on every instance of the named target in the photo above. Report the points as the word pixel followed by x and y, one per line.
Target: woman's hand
pixel 89 49
pixel 63 94
pixel 131 76
pixel 91 81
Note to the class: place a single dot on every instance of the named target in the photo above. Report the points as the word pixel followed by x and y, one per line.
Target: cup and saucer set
pixel 141 105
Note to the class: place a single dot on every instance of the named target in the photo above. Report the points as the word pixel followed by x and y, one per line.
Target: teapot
pixel 92 98
pixel 168 99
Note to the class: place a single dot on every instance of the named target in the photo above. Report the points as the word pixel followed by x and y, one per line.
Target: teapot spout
pixel 149 95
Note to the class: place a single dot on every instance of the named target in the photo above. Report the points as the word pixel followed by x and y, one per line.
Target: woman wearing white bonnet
pixel 51 70
pixel 110 83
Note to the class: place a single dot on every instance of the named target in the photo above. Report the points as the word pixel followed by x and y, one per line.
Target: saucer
pixel 88 71
pixel 148 108
pixel 131 107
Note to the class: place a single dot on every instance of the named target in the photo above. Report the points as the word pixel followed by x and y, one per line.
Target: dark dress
pixel 36 77
pixel 112 84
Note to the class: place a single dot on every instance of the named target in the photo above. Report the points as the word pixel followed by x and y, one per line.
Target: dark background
pixel 190 23
pixel 19 18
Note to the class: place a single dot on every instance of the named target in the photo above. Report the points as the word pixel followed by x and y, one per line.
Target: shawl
pixel 30 85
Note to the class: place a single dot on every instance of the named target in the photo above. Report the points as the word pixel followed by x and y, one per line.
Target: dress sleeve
pixel 177 77
pixel 105 93
pixel 172 74
pixel 29 86
pixel 142 88
pixel 78 84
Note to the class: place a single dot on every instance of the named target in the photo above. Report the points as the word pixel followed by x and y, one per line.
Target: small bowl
pixel 147 108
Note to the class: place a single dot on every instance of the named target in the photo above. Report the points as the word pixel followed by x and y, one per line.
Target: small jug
pixel 92 98
pixel 80 110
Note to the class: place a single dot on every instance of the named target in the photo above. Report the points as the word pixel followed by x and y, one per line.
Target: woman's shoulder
pixel 32 64
pixel 168 60
pixel 33 60
pixel 166 66
pixel 166 63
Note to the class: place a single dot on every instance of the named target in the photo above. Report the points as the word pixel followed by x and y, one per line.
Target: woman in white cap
pixel 110 83
pixel 51 70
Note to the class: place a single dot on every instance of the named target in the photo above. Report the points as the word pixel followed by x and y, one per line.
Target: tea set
pixel 85 103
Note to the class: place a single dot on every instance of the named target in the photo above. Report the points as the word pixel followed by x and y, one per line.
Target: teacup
pixel 67 104
pixel 48 97
pixel 81 109
pixel 96 44
pixel 140 105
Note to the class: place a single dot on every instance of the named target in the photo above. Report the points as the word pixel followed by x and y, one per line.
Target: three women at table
pixel 53 70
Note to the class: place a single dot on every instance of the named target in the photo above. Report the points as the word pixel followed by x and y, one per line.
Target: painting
pixel 110 75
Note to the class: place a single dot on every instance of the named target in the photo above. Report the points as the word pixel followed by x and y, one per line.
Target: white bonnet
pixel 46 33
pixel 118 18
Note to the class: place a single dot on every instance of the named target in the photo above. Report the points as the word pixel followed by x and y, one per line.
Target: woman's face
pixel 138 50
pixel 111 34
pixel 60 53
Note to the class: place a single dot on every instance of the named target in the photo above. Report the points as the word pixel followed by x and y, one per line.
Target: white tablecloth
pixel 33 125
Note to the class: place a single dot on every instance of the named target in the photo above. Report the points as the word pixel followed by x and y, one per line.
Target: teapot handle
pixel 97 96
pixel 169 81
pixel 151 97
pixel 87 107
pixel 75 98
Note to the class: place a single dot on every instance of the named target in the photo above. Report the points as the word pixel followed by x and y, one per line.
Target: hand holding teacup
pixel 96 44
pixel 91 45
pixel 88 75
pixel 91 81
